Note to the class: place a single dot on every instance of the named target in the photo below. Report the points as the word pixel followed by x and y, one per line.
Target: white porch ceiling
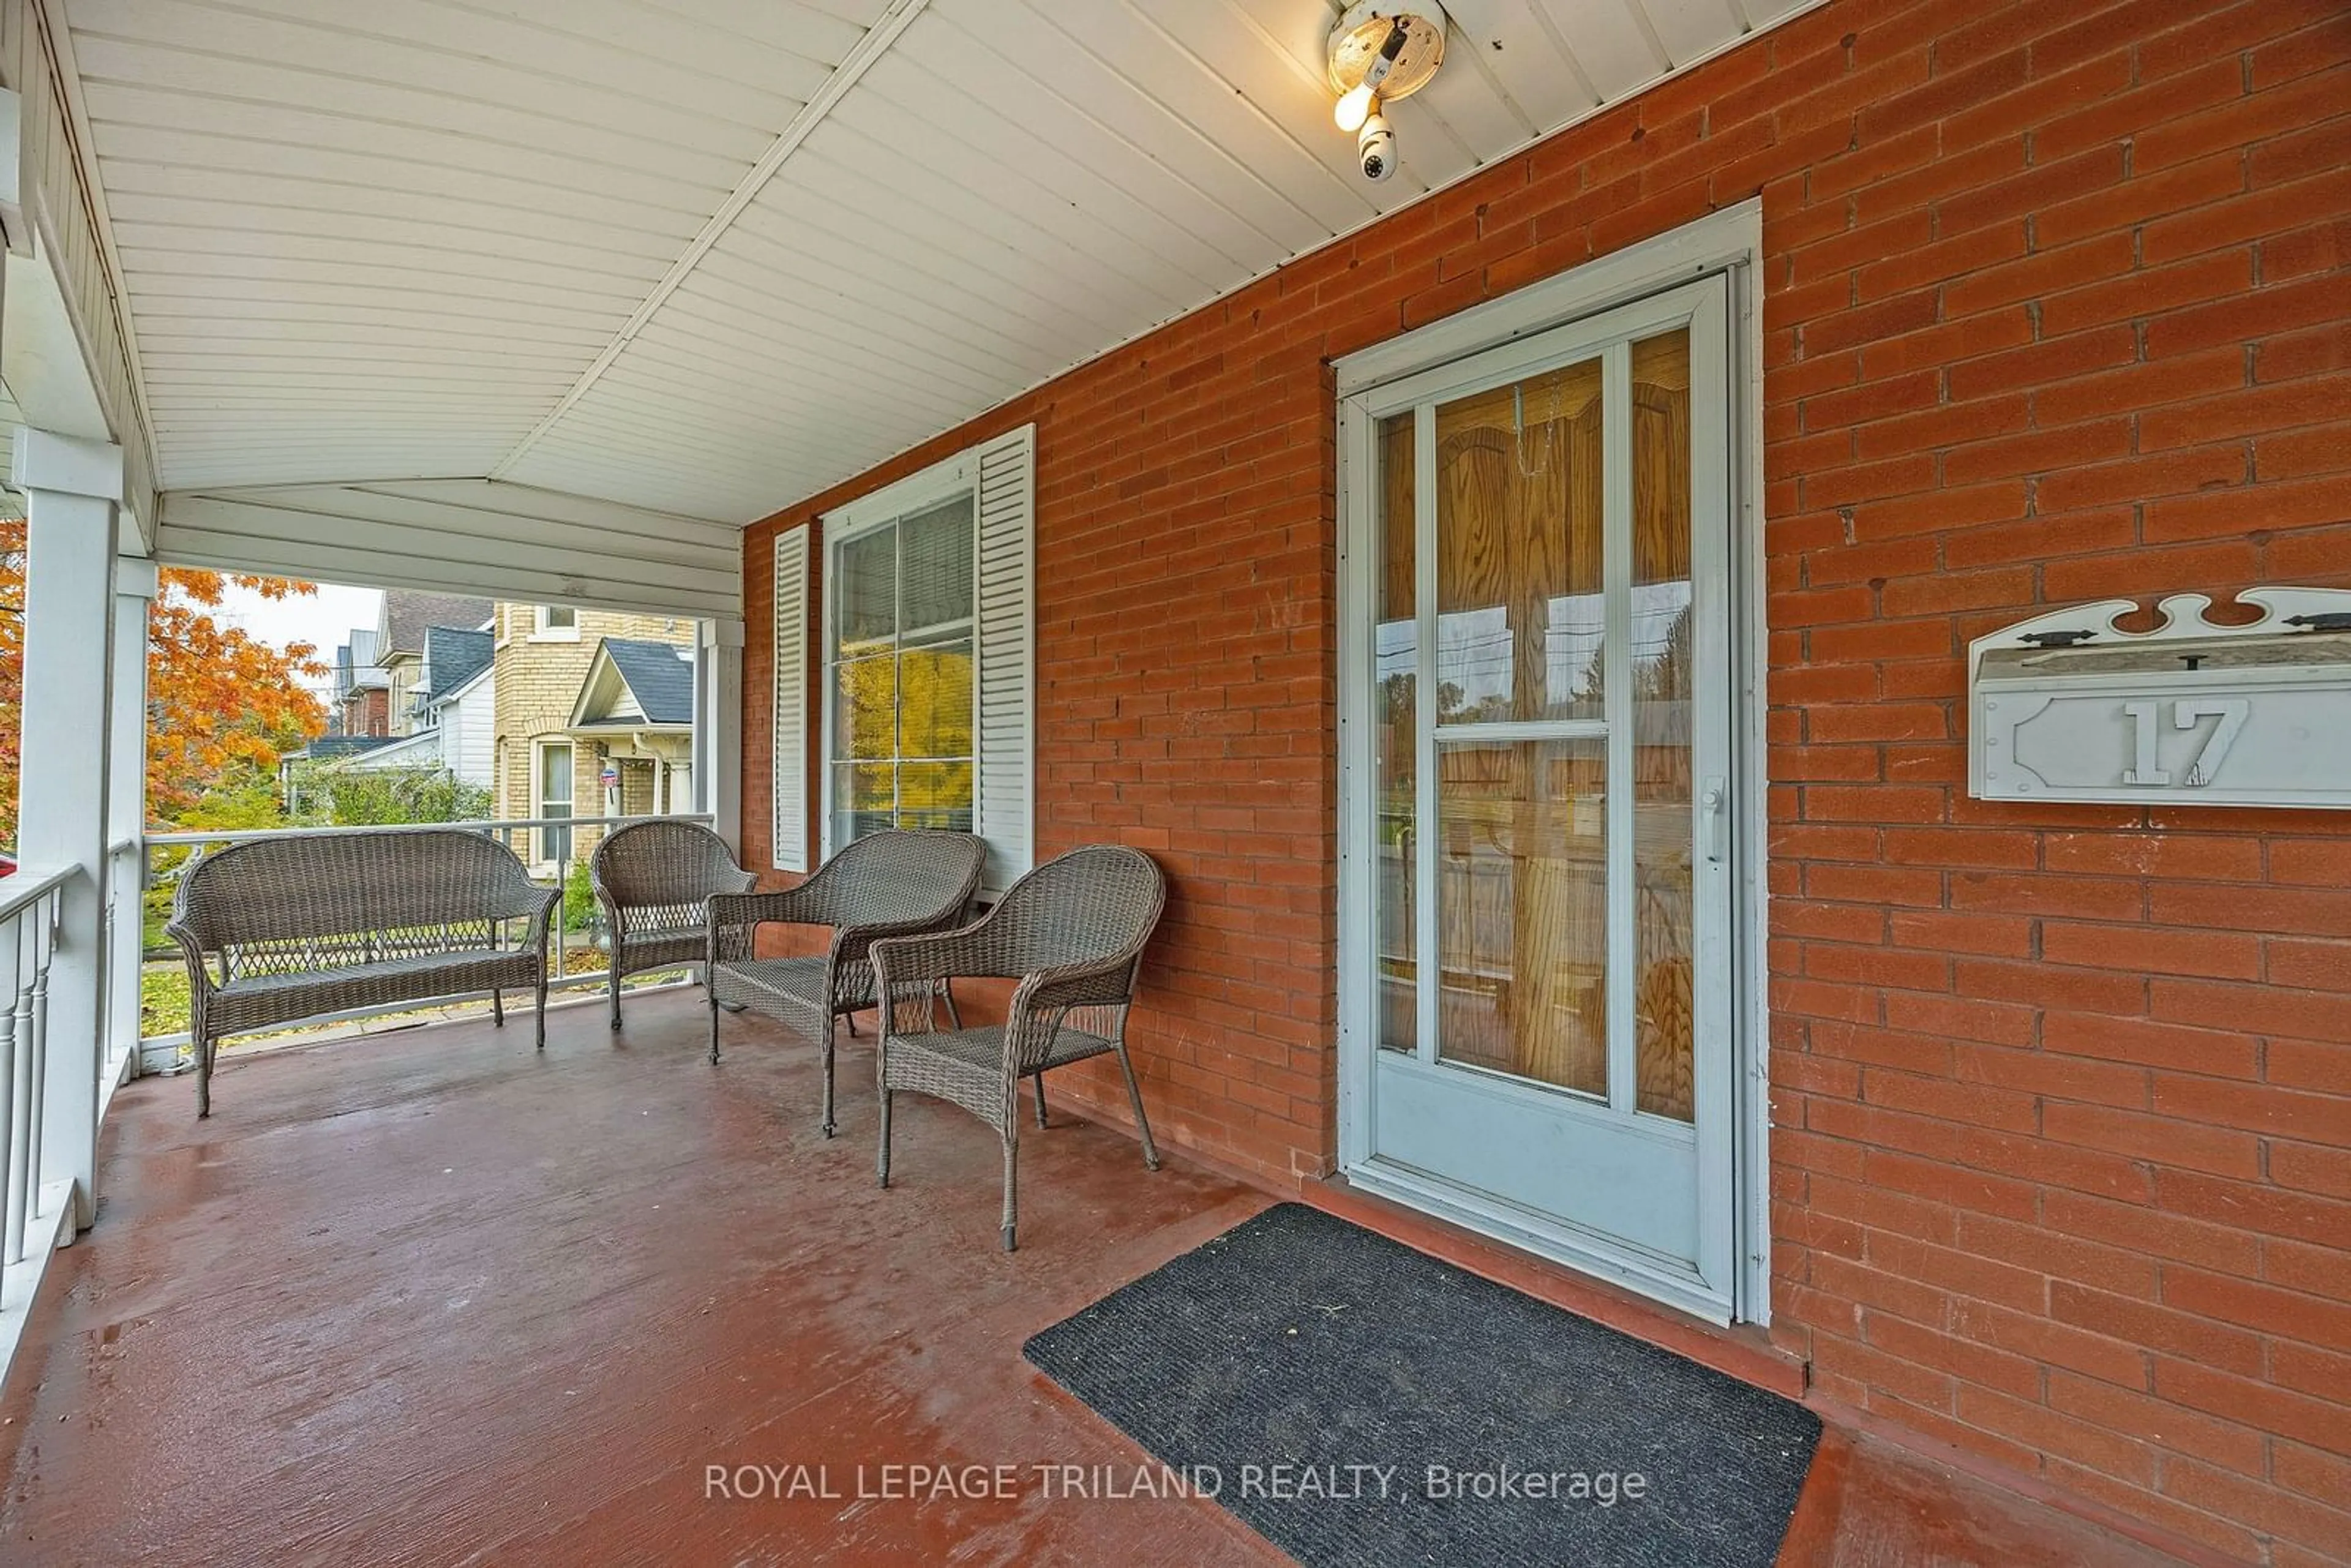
pixel 709 256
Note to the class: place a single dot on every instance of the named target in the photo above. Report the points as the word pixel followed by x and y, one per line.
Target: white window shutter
pixel 790 815
pixel 1008 654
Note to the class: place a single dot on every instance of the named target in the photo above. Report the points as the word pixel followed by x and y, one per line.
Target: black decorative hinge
pixel 2056 639
pixel 2332 621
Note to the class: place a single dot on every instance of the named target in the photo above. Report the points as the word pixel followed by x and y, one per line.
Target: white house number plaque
pixel 2065 706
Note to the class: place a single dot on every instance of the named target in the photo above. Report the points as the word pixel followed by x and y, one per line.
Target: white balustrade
pixel 29 904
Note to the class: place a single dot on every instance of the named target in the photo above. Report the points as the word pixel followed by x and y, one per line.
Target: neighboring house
pixel 362 696
pixel 558 712
pixel 455 698
pixel 407 619
pixel 384 685
pixel 448 708
pixel 544 768
pixel 338 689
pixel 636 711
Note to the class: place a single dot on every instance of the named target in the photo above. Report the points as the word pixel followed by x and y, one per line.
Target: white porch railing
pixel 28 936
pixel 39 1215
pixel 575 957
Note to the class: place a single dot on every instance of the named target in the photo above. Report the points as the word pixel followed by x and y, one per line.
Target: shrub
pixel 348 797
pixel 579 898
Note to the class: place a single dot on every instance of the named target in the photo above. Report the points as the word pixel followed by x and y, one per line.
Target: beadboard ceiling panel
pixel 709 258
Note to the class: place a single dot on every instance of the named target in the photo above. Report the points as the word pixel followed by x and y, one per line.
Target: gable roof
pixel 657 677
pixel 410 615
pixel 453 656
pixel 367 669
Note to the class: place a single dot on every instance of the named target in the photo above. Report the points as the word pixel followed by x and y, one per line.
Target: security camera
pixel 1376 148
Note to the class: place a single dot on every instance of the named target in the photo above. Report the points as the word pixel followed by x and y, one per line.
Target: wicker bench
pixel 280 930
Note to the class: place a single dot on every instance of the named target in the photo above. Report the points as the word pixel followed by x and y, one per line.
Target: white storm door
pixel 1541 792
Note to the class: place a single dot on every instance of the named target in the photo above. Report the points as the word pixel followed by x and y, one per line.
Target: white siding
pixel 470 725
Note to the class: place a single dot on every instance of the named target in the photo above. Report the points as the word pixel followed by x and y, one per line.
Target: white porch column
pixel 718 728
pixel 72 489
pixel 126 808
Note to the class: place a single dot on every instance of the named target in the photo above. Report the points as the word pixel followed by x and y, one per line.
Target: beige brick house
pixel 545 769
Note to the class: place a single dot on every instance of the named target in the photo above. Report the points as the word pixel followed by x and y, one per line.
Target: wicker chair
pixel 897 883
pixel 1072 933
pixel 654 881
pixel 280 930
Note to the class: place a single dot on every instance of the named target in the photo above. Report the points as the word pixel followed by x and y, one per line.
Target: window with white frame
pixel 901 672
pixel 921 710
pixel 556 624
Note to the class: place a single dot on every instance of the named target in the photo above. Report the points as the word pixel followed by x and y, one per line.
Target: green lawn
pixel 162 999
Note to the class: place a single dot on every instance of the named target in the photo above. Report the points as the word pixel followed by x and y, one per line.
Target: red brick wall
pixel 367 713
pixel 2056 310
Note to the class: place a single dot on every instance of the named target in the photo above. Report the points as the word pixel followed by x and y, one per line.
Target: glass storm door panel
pixel 1547 796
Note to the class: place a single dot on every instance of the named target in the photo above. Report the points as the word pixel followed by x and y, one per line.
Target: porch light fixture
pixel 1379 53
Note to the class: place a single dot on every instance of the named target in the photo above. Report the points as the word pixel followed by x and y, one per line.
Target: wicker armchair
pixel 654 881
pixel 892 883
pixel 1072 933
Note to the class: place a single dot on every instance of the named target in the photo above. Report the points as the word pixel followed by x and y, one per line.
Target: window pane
pixel 934 795
pixel 1662 822
pixel 555 774
pixel 1395 666
pixel 1519 602
pixel 558 617
pixel 1522 906
pixel 865 708
pixel 555 800
pixel 902 731
pixel 934 582
pixel 935 693
pixel 862 801
pixel 866 598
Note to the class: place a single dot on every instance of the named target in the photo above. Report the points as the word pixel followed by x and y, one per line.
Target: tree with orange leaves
pixel 221 707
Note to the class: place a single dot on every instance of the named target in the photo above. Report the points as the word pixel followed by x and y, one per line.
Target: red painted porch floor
pixel 432 1298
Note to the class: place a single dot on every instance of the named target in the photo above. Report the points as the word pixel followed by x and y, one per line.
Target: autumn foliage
pixel 221 706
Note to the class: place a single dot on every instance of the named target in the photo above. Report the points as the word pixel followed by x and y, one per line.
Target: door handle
pixel 1716 802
